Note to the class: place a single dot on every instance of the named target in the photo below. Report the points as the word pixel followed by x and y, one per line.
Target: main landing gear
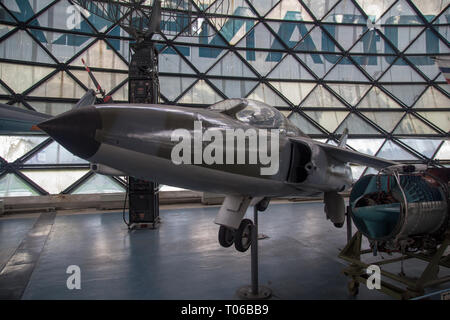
pixel 240 237
pixel 244 237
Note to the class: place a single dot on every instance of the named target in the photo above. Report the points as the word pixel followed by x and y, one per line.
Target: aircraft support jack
pixel 255 291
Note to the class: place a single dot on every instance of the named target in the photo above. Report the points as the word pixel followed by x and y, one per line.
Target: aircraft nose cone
pixel 75 130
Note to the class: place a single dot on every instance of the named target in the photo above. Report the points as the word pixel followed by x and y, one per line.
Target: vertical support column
pixel 254 291
pixel 254 253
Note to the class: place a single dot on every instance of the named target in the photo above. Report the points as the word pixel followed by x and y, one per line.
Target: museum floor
pixel 180 260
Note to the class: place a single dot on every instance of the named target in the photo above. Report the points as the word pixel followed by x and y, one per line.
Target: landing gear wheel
pixel 353 288
pixel 226 236
pixel 242 236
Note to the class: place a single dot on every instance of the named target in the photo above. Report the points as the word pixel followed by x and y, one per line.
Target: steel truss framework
pixel 409 127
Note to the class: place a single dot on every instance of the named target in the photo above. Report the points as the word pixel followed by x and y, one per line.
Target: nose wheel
pixel 241 237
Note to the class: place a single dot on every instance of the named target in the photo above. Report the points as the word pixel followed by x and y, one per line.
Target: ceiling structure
pixel 365 65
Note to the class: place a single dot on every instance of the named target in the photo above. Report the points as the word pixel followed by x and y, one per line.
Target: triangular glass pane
pixel 290 32
pixel 433 98
pixel 200 93
pixel 233 30
pixel 401 37
pixel 96 20
pixel 303 124
pixel 321 97
pixel 4 29
pixel 412 125
pixel 319 7
pixel 3 90
pixel 265 94
pixel 426 65
pixel 120 94
pixel 63 46
pixel 445 87
pixel 263 6
pixel 262 61
pixel 293 91
pixel 345 70
pixel 320 64
pixel 444 17
pixel 98 183
pixel 367 146
pixel 351 93
pixel 169 61
pixel 203 58
pixel 14 147
pixel 427 147
pixel 100 55
pixel 234 88
pixel 441 119
pixel 54 153
pixel 52 108
pixel 329 120
pixel 60 85
pixel 345 12
pixel 444 151
pixel 317 40
pixel 108 80
pixel 56 17
pixel 231 65
pixel 408 94
pixel 235 7
pixel 24 10
pixel 356 125
pixel 393 151
pixel 29 75
pixel 385 120
pixel 374 65
pixel 20 46
pixel 290 68
pixel 375 8
pixel 400 13
pixel 428 42
pixel 122 46
pixel 444 30
pixel 347 35
pixel 5 16
pixel 260 37
pixel 371 42
pixel 54 181
pixel 12 186
pixel 430 8
pixel 290 10
pixel 172 87
pixel 377 99
pixel 357 172
pixel 400 71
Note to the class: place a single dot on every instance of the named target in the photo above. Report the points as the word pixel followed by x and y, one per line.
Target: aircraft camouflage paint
pixel 136 140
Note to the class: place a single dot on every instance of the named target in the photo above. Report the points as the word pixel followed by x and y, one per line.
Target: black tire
pixel 226 236
pixel 243 236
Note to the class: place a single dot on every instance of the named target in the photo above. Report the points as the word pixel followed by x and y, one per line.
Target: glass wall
pixel 365 65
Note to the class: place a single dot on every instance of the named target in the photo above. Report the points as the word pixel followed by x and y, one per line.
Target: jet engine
pixel 402 209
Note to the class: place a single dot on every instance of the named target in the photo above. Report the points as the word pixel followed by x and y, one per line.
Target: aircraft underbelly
pixel 164 171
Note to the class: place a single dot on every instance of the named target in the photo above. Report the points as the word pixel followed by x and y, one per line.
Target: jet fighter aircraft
pixel 215 150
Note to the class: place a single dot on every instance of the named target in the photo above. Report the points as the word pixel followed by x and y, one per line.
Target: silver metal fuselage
pixel 136 140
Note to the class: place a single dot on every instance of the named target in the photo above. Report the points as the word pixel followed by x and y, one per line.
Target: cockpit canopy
pixel 256 113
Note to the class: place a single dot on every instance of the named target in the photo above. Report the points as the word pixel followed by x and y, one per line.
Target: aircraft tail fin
pixel 343 139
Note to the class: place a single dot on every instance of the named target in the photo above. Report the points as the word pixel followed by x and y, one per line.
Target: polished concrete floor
pixel 182 259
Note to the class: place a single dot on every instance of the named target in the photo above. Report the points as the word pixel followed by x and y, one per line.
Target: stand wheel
pixel 242 236
pixel 226 236
pixel 353 288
